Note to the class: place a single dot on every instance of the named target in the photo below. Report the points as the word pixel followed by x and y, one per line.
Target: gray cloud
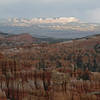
pixel 93 15
pixel 82 9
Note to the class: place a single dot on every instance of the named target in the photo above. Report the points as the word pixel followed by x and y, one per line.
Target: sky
pixel 85 10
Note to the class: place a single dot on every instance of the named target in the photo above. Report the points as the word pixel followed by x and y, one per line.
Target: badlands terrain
pixel 36 69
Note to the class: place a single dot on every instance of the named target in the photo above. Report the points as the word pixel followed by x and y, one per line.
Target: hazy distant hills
pixel 68 28
pixel 24 39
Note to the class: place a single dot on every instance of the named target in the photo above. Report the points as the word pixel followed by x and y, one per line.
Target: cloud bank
pixel 28 22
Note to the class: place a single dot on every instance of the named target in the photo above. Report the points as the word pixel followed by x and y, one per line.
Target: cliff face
pixel 2 95
pixel 13 40
pixel 22 37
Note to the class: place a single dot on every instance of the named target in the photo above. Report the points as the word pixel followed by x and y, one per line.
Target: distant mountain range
pixel 69 28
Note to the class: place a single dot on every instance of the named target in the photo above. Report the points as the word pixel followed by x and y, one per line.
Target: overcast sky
pixel 85 10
